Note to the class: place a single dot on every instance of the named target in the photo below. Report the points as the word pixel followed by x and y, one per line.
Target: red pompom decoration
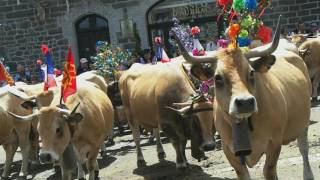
pixel 264 33
pixel 233 30
pixel 195 30
pixel 44 49
pixel 157 39
pixel 39 62
pixel 224 2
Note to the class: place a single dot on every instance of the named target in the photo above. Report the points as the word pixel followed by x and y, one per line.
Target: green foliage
pixel 110 60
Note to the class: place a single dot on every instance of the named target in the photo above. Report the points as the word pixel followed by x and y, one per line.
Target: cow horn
pixel 25 118
pixel 75 108
pixel 267 50
pixel 21 94
pixel 181 111
pixel 192 59
pixel 68 112
pixel 182 104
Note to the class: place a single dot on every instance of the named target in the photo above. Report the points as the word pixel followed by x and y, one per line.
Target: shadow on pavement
pixel 166 170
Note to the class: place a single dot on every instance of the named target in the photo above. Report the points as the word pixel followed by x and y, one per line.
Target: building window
pixel 200 13
pixel 90 29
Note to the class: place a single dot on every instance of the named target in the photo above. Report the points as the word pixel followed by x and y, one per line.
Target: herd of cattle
pixel 247 87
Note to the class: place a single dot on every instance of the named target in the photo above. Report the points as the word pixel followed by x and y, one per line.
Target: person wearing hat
pixel 84 66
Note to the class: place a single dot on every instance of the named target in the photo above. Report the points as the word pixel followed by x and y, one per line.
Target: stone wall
pixel 25 26
pixel 293 11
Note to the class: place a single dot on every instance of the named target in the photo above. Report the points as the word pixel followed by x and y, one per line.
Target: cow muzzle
pixel 47 157
pixel 243 106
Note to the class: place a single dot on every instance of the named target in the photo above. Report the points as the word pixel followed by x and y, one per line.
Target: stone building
pixel 25 24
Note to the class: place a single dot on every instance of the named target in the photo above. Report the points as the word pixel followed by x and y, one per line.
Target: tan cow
pixel 261 102
pixel 68 136
pixel 147 91
pixel 309 50
pixel 14 133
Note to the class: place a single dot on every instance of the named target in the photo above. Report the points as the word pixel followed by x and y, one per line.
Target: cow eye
pixel 218 80
pixel 251 76
pixel 59 131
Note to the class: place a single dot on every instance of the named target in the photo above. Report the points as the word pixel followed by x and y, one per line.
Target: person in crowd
pixel 84 66
pixel 147 57
pixel 302 28
pixel 211 44
pixel 23 74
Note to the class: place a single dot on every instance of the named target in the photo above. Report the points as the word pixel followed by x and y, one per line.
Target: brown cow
pixel 309 50
pixel 68 136
pixel 147 91
pixel 267 93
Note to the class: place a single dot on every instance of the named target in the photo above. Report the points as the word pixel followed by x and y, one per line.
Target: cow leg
pixel 81 174
pixel 93 168
pixel 25 145
pixel 136 137
pixel 241 170
pixel 181 163
pixel 10 150
pixel 315 84
pixel 272 156
pixel 304 150
pixel 66 174
pixel 161 153
pixel 183 150
pixel 103 149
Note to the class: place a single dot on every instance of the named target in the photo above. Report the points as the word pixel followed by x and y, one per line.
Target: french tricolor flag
pixel 48 69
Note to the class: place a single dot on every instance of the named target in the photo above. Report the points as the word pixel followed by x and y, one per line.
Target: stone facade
pixel 24 26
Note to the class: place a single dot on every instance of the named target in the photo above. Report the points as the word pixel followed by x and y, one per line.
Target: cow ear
pixel 75 118
pixel 29 105
pixel 201 72
pixel 263 64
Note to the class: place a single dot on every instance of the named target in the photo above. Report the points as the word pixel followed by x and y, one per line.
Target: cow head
pixel 298 39
pixel 114 93
pixel 236 74
pixel 56 126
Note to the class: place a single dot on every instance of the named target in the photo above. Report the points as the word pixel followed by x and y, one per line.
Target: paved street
pixel 120 163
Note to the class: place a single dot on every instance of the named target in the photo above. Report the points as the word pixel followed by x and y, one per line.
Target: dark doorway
pixel 90 29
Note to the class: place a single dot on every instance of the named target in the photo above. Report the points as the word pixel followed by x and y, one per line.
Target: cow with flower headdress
pixel 248 84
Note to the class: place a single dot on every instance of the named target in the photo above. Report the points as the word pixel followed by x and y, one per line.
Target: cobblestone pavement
pixel 120 162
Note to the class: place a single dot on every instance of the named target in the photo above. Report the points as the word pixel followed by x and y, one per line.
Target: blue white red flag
pixel 49 80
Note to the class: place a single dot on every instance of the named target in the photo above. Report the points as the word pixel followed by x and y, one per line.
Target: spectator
pixel 22 74
pixel 302 28
pixel 147 57
pixel 84 66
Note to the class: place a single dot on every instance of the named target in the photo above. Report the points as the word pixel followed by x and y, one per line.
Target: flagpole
pixel 61 96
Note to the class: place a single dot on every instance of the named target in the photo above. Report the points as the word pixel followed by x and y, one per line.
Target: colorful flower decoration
pixel 110 60
pixel 223 43
pixel 195 30
pixel 264 34
pixel 157 40
pixel 247 24
pixel 197 50
pixel 251 4
pixel 238 5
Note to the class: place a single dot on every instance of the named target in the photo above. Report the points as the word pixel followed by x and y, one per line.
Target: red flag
pixel 4 75
pixel 69 83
